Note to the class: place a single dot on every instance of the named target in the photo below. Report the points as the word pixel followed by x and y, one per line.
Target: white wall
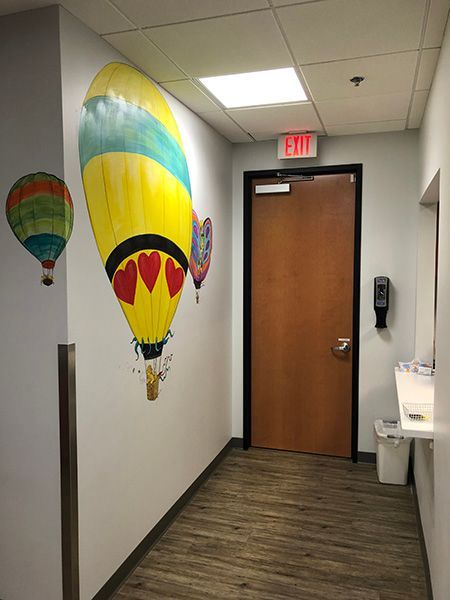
pixel 136 458
pixel 34 318
pixel 425 296
pixel 389 222
pixel 434 497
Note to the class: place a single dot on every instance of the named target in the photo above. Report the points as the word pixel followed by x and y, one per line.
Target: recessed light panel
pixel 276 86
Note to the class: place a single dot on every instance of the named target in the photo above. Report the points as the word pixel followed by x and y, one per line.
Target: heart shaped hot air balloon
pixel 138 193
pixel 201 250
pixel 39 210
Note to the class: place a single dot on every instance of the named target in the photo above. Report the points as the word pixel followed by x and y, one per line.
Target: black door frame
pixel 249 176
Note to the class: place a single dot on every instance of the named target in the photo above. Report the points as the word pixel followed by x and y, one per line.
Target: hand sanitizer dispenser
pixel 381 300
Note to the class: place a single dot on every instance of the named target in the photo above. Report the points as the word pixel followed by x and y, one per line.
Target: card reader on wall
pixel 381 300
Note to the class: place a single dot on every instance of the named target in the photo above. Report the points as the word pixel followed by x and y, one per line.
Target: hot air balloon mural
pixel 39 210
pixel 138 193
pixel 201 251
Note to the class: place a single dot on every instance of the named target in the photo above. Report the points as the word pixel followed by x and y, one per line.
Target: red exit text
pixel 297 145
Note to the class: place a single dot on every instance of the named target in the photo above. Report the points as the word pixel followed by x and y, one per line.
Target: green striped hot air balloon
pixel 39 210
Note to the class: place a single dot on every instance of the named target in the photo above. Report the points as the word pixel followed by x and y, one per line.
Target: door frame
pixel 357 170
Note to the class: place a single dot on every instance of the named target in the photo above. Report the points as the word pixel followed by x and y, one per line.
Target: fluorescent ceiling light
pixel 277 86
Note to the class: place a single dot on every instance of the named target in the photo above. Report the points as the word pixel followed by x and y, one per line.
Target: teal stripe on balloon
pixel 45 246
pixel 111 124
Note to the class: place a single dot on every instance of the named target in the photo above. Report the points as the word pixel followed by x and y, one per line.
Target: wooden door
pixel 302 302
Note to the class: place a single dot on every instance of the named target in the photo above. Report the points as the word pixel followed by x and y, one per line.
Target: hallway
pixel 279 525
pixel 225 224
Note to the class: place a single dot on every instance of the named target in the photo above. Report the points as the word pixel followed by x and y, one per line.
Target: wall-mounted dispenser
pixel 381 300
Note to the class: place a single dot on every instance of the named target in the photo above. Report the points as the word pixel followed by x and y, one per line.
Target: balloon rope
pixel 165 367
pixel 136 346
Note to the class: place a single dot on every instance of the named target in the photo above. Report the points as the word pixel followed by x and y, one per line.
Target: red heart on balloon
pixel 174 277
pixel 149 266
pixel 124 282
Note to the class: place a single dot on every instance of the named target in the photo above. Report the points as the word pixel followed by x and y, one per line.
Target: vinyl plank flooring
pixel 272 525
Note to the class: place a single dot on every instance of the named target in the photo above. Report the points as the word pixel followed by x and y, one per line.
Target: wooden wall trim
pixel 69 471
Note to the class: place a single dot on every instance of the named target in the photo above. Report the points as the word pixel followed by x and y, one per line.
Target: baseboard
pixel 423 547
pixel 237 442
pixel 133 560
pixel 367 457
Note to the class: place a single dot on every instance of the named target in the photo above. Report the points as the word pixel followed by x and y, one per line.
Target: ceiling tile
pixel 190 95
pixel 100 15
pixel 386 107
pixel 336 29
pixel 146 13
pixel 437 19
pixel 427 67
pixel 284 2
pixel 383 75
pixel 236 44
pixel 224 125
pixel 265 123
pixel 137 48
pixel 417 109
pixel 376 127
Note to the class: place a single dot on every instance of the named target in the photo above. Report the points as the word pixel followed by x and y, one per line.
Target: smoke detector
pixel 357 80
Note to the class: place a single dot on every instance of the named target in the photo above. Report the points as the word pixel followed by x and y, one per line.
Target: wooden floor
pixel 270 525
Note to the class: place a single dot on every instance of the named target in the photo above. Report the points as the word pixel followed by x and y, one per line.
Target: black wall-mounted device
pixel 381 300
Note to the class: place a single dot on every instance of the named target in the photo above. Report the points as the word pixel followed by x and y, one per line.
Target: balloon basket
pixel 152 379
pixel 47 276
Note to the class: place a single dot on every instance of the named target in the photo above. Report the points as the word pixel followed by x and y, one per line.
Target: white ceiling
pixel 394 44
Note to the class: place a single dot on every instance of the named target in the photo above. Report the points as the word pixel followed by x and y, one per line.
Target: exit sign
pixel 297 145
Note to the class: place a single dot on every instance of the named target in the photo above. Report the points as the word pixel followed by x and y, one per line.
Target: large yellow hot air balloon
pixel 137 189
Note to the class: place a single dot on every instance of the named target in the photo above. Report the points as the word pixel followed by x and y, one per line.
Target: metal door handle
pixel 344 347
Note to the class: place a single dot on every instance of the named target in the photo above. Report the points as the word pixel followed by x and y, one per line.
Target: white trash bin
pixel 392 452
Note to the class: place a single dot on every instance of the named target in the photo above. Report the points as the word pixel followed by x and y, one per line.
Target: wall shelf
pixel 413 388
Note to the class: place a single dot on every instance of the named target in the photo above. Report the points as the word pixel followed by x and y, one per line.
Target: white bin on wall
pixel 392 452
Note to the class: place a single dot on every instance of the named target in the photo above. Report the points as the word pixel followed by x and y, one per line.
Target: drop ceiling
pixel 394 44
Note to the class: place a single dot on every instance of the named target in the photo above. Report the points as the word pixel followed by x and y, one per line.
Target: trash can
pixel 392 452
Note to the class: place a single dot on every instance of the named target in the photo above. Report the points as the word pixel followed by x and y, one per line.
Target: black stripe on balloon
pixel 145 241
